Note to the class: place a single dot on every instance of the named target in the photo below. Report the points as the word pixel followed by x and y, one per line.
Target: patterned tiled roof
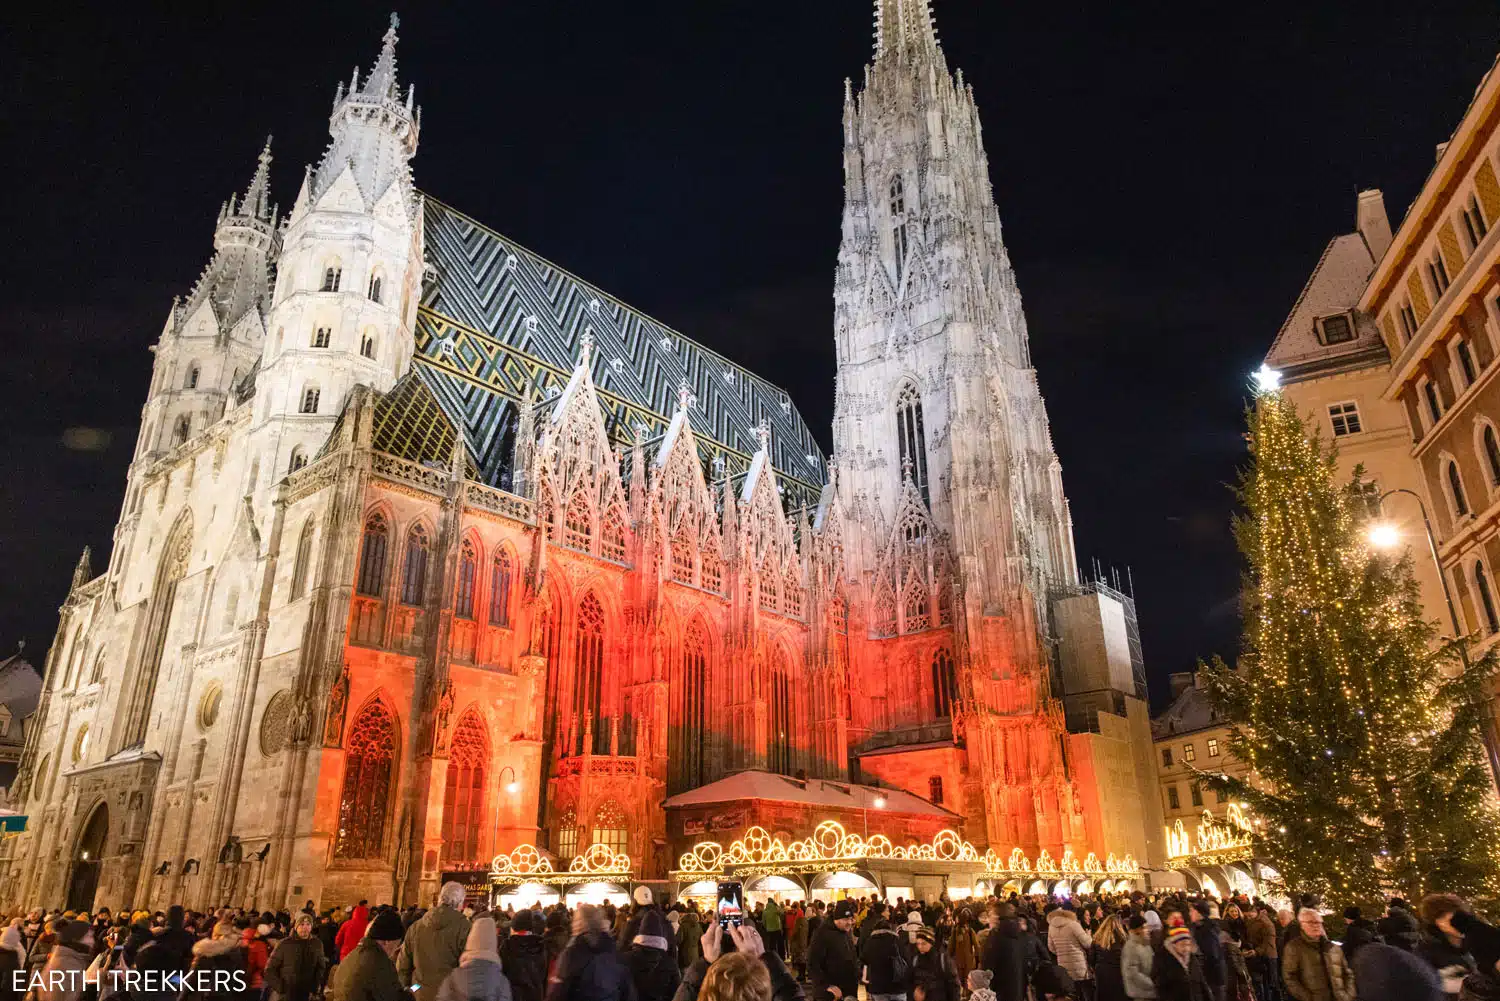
pixel 1334 286
pixel 498 316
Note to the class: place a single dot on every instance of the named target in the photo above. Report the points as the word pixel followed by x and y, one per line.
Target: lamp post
pixel 1385 535
pixel 513 786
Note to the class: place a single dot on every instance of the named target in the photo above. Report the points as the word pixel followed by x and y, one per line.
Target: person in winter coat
pixel 885 965
pixel 589 969
pixel 523 957
pixel 1135 961
pixel 68 959
pixel 934 977
pixel 1205 929
pixel 1237 974
pixel 478 976
pixel 689 931
pixel 368 972
pixel 832 967
pixel 352 930
pixel 771 919
pixel 878 912
pixel 1442 945
pixel 434 944
pixel 653 968
pixel 1108 958
pixel 218 960
pixel 748 973
pixel 1069 942
pixel 963 945
pixel 12 961
pixel 555 939
pixel 169 952
pixel 41 947
pixel 1263 954
pixel 1313 967
pixel 1399 927
pixel 1179 974
pixel 257 955
pixel 295 970
pixel 796 942
pixel 1387 973
pixel 1358 931
pixel 1003 953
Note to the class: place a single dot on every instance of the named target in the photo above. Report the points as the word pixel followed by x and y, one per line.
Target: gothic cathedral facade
pixel 430 549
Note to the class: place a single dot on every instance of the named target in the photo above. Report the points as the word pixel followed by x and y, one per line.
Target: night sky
pixel 1167 176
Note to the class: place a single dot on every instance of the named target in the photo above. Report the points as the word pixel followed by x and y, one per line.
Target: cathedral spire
pixel 257 201
pixel 381 83
pixel 904 27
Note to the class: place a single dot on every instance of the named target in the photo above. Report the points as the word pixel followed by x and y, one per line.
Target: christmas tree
pixel 1365 735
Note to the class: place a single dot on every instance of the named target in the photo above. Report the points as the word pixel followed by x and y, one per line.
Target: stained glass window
pixel 611 827
pixel 414 583
pixel 372 557
pixel 369 764
pixel 588 677
pixel 468 569
pixel 500 590
pixel 304 559
pixel 944 684
pixel 463 803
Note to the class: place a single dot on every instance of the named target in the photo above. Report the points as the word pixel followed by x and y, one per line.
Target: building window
pixel 182 430
pixel 1166 757
pixel 1172 801
pixel 1456 488
pixel 375 288
pixel 1434 405
pixel 898 224
pixel 1437 272
pixel 1197 794
pixel 588 675
pixel 372 557
pixel 1491 453
pixel 1336 329
pixel 310 400
pixel 935 789
pixel 468 570
pixel 463 800
pixel 567 836
pixel 1474 224
pixel 911 439
pixel 1408 320
pixel 1213 747
pixel 303 560
pixel 1189 752
pixel 369 764
pixel 414 582
pixel 332 275
pixel 577 523
pixel 612 537
pixel 611 827
pixel 298 460
pixel 1345 418
pixel 191 382
pixel 1466 362
pixel 944 684
pixel 367 346
pixel 322 337
pixel 500 590
pixel 1486 598
pixel 690 756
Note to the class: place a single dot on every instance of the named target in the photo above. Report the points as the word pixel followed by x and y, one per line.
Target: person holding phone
pixel 736 967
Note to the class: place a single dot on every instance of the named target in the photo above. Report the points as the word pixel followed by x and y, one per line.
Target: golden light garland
pixel 1215 841
pixel 526 864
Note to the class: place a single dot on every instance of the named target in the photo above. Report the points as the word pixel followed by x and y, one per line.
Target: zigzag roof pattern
pixel 498 317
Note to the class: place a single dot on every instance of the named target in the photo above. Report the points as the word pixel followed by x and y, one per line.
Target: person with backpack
pixel 885 968
pixel 934 977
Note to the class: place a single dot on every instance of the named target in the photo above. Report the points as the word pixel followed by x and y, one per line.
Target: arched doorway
pixel 83 880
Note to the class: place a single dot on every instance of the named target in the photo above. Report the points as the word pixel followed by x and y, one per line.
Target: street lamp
pixel 514 785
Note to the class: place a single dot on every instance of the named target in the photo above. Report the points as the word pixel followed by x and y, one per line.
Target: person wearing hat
pixel 1388 973
pixel 478 976
pixel 434 943
pixel 524 957
pixel 831 964
pixel 295 971
pixel 934 976
pixel 214 958
pixel 1136 959
pixel 368 973
pixel 257 955
pixel 1180 972
pixel 653 968
pixel 62 976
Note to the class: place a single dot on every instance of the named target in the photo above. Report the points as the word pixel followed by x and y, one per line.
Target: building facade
pixel 430 549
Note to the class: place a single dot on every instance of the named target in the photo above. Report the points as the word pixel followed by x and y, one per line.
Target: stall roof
pixel 819 792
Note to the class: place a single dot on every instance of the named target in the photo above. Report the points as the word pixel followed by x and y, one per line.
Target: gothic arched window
pixel 588 673
pixel 463 802
pixel 98 673
pixel 310 396
pixel 414 581
pixel 372 556
pixel 911 438
pixel 768 586
pixel 711 573
pixel 784 722
pixel 1492 454
pixel 367 345
pixel 301 564
pixel 1486 599
pixel 332 276
pixel 191 382
pixel 682 557
pixel 567 835
pixel 182 430
pixel 1456 488
pixel 369 766
pixel 500 589
pixel 611 827
pixel 944 684
pixel 468 571
pixel 576 524
pixel 612 537
pixel 691 757
pixel 298 460
pixel 375 283
pixel 898 224
pixel 935 789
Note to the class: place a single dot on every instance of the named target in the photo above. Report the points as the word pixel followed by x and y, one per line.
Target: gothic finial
pixel 83 572
pixel 257 201
pixel 586 346
pixel 684 394
pixel 763 436
pixel 906 469
pixel 381 83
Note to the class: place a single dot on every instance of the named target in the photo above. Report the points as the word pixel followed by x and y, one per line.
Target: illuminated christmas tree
pixel 1365 735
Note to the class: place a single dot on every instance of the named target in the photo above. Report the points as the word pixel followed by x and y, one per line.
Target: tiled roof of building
pixel 1190 711
pixel 818 792
pixel 20 686
pixel 1334 286
pixel 498 317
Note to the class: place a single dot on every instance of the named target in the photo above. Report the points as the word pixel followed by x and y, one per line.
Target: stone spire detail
pixel 381 83
pixel 257 201
pixel 238 278
pixel 904 27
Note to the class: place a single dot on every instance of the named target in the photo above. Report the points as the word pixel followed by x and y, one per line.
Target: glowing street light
pixel 1267 379
pixel 1384 535
pixel 880 802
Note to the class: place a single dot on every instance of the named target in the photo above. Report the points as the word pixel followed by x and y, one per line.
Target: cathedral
pixel 430 549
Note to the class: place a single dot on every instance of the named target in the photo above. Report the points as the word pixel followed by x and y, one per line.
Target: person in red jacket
pixel 257 955
pixel 351 931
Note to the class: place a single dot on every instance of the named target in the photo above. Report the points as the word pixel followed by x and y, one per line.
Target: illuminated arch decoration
pixel 526 864
pixel 1214 842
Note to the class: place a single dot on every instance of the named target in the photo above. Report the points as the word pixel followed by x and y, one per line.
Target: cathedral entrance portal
pixel 83 877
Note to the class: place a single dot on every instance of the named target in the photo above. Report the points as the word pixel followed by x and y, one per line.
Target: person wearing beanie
pixel 368 973
pixel 832 967
pixel 1205 927
pixel 1136 959
pixel 933 974
pixel 478 976
pixel 885 963
pixel 523 956
pixel 62 976
pixel 434 943
pixel 979 985
pixel 1400 927
pixel 1387 973
pixel 296 968
pixel 653 968
pixel 221 954
pixel 1180 972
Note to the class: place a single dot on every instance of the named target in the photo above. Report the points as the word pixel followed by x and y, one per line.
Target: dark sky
pixel 1167 175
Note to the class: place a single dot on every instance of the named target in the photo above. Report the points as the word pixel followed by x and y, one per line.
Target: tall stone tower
pixel 935 385
pixel 349 274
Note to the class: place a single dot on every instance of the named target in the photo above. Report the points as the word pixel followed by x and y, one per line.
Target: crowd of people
pixel 1122 948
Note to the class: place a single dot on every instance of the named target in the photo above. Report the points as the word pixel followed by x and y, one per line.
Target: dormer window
pixel 332 275
pixel 374 288
pixel 1336 329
